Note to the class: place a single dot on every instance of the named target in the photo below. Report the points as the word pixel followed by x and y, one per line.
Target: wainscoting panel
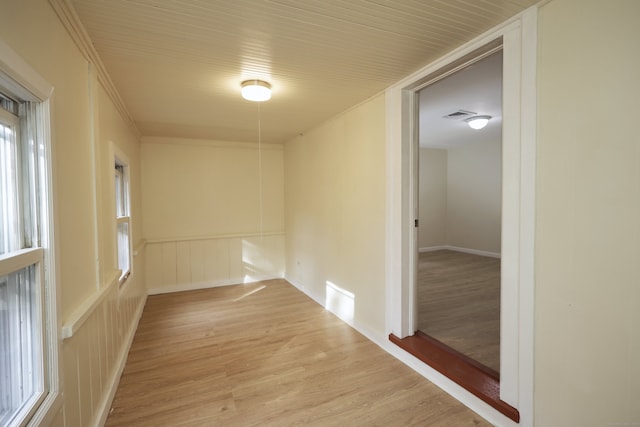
pixel 95 347
pixel 185 264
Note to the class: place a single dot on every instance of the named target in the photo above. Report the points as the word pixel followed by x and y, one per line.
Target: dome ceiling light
pixel 256 90
pixel 478 122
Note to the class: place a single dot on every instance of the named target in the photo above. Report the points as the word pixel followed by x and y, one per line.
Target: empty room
pixel 223 213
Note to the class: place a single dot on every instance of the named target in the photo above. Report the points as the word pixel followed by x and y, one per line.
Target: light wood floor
pixel 459 303
pixel 229 357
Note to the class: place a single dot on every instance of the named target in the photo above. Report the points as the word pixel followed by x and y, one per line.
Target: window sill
pixel 49 409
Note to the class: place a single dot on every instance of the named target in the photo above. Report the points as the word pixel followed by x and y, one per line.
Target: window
pixel 24 365
pixel 123 217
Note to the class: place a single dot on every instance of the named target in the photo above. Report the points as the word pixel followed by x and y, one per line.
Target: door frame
pixel 518 39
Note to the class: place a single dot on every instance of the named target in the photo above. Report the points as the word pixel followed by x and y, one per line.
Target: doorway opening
pixel 511 394
pixel 455 194
pixel 457 176
pixel 459 211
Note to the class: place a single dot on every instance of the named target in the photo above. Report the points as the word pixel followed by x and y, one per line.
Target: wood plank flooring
pixel 459 303
pixel 265 354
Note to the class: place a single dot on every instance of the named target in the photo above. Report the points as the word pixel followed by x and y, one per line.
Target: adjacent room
pixel 459 211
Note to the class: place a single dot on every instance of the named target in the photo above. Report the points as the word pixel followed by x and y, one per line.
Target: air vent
pixel 460 114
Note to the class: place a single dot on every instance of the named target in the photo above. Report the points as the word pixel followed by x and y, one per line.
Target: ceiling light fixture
pixel 478 122
pixel 256 90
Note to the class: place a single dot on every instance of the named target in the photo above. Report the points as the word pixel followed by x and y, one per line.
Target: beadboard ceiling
pixel 178 64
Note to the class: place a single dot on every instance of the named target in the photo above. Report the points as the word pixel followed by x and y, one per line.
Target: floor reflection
pixel 459 303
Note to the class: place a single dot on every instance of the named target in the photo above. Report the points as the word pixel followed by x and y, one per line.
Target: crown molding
pixel 69 18
pixel 212 143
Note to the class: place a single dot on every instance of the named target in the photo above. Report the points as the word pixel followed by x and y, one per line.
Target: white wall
pixel 460 197
pixel 432 199
pixel 587 333
pixel 50 51
pixel 201 204
pixel 334 212
pixel 98 317
pixel 193 188
pixel 474 196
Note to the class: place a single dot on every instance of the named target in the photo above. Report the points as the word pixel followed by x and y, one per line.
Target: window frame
pixel 9 119
pixel 20 254
pixel 21 82
pixel 122 204
pixel 14 262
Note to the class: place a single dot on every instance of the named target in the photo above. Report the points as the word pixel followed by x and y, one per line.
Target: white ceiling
pixel 178 64
pixel 477 89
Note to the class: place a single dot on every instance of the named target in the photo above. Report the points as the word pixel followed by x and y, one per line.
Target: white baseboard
pixel 474 251
pixel 465 397
pixel 206 285
pixel 105 406
pixel 433 248
pixel 305 291
pixel 459 249
pixel 363 330
pixel 444 383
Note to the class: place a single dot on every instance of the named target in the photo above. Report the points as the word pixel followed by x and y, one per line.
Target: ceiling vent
pixel 460 114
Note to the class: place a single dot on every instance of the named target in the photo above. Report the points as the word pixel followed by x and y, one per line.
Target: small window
pixel 24 368
pixel 123 218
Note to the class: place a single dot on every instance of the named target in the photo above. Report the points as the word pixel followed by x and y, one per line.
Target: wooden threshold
pixel 474 377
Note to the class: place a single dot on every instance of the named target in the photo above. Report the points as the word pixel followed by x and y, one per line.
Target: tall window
pixel 24 368
pixel 123 218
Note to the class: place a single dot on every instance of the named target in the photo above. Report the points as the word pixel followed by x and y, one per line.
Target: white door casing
pixel 519 44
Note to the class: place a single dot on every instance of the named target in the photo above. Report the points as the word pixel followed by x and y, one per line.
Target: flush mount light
pixel 256 90
pixel 478 122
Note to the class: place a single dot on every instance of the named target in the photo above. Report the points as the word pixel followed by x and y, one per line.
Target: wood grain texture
pixel 266 354
pixel 459 303
pixel 483 382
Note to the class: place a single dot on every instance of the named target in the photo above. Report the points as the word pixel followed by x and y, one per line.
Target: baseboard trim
pixel 206 285
pixel 433 248
pixel 304 290
pixel 465 397
pixel 103 412
pixel 446 384
pixel 459 249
